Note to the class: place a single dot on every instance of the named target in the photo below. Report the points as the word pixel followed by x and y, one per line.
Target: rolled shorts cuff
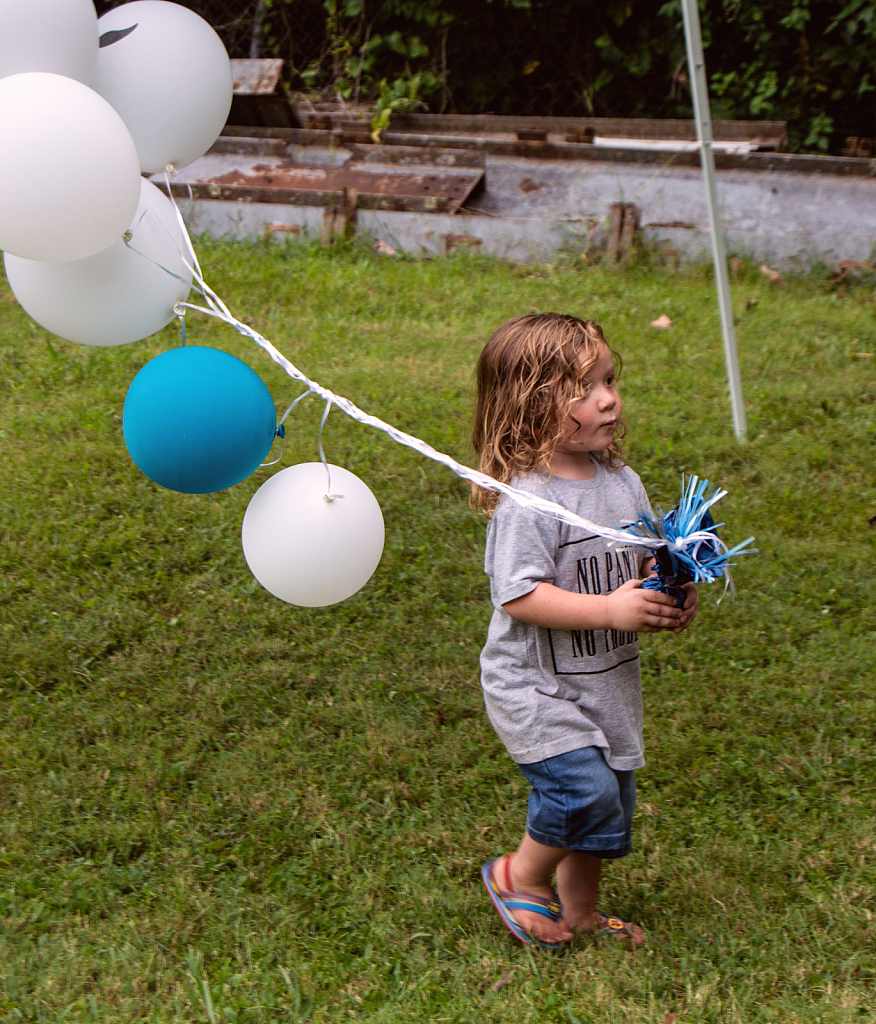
pixel 605 850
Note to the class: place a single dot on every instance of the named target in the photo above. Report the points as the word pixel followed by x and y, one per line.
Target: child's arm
pixel 628 608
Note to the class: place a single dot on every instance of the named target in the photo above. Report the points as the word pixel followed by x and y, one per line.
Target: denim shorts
pixel 578 803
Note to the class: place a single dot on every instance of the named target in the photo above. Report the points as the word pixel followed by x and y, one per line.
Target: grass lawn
pixel 217 807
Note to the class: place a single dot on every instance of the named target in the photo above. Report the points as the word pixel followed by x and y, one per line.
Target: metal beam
pixel 703 118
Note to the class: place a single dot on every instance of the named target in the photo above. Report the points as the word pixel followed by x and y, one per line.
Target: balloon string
pixel 292 406
pixel 281 432
pixel 181 222
pixel 215 307
pixel 328 494
pixel 129 234
pixel 127 240
pixel 274 463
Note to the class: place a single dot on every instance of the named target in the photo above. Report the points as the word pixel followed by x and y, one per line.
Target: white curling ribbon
pixel 217 308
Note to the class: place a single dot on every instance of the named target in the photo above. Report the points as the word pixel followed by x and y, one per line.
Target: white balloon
pixel 168 74
pixel 69 175
pixel 306 550
pixel 58 36
pixel 118 296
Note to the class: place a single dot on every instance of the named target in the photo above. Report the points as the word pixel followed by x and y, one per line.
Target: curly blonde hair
pixel 530 372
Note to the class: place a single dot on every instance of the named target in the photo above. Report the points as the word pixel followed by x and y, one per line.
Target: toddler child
pixel 560 668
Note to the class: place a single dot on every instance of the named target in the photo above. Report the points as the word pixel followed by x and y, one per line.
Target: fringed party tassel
pixel 687 547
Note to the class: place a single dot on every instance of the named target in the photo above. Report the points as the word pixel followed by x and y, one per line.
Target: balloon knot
pixel 169 168
pixel 280 431
pixel 179 309
pixel 329 498
pixel 127 236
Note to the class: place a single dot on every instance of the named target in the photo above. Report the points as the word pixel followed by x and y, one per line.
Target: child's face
pixel 592 420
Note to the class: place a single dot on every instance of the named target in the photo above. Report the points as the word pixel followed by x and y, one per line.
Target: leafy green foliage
pixel 808 62
pixel 216 807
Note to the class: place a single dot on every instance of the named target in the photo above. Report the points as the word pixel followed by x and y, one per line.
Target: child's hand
pixel 643 611
pixel 691 605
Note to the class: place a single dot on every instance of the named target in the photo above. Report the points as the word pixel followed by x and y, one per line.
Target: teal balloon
pixel 198 420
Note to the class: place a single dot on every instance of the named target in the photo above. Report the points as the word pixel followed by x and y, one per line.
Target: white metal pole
pixel 703 117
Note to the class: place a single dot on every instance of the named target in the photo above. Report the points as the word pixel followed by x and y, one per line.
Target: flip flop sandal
pixel 610 925
pixel 506 900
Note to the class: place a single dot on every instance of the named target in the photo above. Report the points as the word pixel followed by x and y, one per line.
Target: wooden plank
pixel 607 127
pixel 258 97
pixel 349 211
pixel 452 242
pixel 415 155
pixel 628 231
pixel 256 77
pixel 307 197
pixel 329 230
pixel 340 223
pixel 242 146
pixel 788 162
pixel 249 131
pixel 615 226
pixel 532 134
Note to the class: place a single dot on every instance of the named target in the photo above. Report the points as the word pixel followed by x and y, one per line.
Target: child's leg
pixel 530 870
pixel 578 890
pixel 580 812
pixel 578 874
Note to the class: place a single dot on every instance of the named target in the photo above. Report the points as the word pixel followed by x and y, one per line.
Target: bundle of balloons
pixel 96 254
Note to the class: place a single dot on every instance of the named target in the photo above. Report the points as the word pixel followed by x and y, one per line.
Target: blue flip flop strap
pixel 523 900
pixel 535 904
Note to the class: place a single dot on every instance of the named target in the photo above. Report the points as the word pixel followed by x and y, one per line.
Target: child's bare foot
pixel 604 924
pixel 537 925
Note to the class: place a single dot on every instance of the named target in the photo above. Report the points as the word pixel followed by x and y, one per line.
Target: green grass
pixel 216 807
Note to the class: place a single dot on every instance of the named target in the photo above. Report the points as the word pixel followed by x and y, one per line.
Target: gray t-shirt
pixel 550 691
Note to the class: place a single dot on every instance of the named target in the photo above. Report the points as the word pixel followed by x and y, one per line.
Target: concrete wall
pixel 531 207
pixel 775 216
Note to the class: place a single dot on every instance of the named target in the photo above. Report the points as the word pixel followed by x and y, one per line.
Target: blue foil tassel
pixel 687 547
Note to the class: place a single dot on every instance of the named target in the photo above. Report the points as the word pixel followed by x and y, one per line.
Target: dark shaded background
pixel 809 62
